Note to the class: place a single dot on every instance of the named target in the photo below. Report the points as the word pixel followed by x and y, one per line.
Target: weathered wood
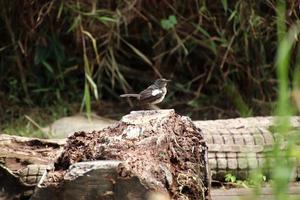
pixel 239 145
pixel 22 163
pixel 83 180
pixel 20 154
pixel 160 152
pixel 229 142
pixel 12 187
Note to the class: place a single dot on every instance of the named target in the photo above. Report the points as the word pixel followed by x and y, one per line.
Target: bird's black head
pixel 161 82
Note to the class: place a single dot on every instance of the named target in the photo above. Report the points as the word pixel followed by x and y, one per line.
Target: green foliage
pixel 284 161
pixel 230 178
pixel 31 124
pixel 285 151
pixel 220 53
pixel 169 23
pixel 73 49
pixel 250 182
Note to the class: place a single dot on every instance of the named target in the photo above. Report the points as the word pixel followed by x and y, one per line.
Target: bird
pixel 153 94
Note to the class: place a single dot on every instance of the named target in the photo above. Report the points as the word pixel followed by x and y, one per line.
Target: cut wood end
pixel 144 116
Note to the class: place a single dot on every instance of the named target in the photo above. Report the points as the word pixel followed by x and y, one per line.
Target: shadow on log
pixel 147 155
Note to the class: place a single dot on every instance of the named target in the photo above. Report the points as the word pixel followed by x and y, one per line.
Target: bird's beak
pixel 167 80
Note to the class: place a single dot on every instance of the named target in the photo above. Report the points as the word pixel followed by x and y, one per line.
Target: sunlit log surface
pixel 238 145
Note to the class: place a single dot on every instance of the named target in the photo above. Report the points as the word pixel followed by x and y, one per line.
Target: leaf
pixel 193 103
pixel 75 23
pixel 4 47
pixel 48 66
pixel 93 85
pixel 169 23
pixel 233 14
pixel 225 5
pixel 87 100
pixel 230 178
pixel 172 20
pixel 138 52
pixel 165 24
pixel 94 43
pixel 204 32
pixel 105 19
pixel 60 9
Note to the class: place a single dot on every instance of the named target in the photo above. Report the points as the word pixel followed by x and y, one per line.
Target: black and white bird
pixel 153 94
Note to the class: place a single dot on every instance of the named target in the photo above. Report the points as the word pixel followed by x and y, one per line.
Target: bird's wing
pixel 150 94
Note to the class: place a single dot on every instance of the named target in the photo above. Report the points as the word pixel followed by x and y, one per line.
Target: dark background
pixel 219 55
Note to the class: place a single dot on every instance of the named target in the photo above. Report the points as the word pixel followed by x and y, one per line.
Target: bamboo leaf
pixel 48 67
pixel 75 24
pixel 93 85
pixel 94 43
pixel 138 52
pixel 87 100
pixel 225 5
pixel 105 19
pixel 60 9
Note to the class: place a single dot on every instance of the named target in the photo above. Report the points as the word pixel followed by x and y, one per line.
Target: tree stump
pixel 147 155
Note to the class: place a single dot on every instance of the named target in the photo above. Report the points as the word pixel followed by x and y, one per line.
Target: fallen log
pixel 234 146
pixel 147 153
pixel 239 145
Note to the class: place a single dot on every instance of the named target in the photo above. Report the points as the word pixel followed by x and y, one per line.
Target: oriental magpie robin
pixel 153 94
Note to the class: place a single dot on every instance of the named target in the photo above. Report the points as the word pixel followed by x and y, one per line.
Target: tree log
pixel 239 145
pixel 147 153
pixel 234 146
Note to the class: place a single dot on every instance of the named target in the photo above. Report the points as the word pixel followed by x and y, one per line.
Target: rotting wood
pixel 159 152
pixel 227 154
pixel 22 163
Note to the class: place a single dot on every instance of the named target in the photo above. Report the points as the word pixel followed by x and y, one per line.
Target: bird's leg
pixel 153 107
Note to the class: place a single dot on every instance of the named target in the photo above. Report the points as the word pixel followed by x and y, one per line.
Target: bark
pixel 145 155
pixel 234 146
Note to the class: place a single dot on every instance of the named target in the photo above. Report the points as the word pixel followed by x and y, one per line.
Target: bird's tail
pixel 130 95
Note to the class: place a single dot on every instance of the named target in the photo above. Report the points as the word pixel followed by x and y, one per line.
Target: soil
pixel 167 157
